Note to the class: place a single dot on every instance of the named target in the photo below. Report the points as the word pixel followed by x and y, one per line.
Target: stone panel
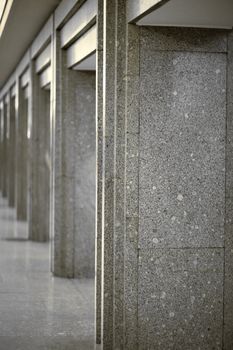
pixel 132 185
pixel 182 155
pixel 5 151
pixel 12 154
pixel 74 170
pixel 228 282
pixel 109 112
pixel 85 174
pixel 181 190
pixel 228 277
pixel 40 163
pixel 63 166
pixel 22 158
pixel 180 299
pixel 99 173
pixel 1 146
pixel 183 39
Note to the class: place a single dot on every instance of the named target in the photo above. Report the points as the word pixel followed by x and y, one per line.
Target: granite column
pixel 5 147
pixel 74 170
pixel 120 178
pixel 39 218
pixel 12 153
pixel 22 154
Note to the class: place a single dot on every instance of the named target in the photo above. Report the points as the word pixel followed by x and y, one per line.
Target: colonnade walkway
pixel 37 310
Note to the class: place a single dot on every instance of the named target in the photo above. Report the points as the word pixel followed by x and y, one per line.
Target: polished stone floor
pixel 38 311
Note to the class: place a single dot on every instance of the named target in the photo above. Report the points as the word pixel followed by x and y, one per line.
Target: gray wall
pixel 74 170
pixel 22 158
pixel 85 178
pixel 1 149
pixel 182 188
pixel 40 163
pixel 167 213
pixel 12 154
pixel 5 150
pixel 228 263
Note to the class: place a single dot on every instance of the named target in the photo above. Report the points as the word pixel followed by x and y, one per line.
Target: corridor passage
pixel 37 310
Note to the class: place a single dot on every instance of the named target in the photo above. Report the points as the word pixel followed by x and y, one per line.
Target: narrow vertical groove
pixel 139 141
pixel 99 169
pixel 114 172
pixel 226 189
pixel 103 171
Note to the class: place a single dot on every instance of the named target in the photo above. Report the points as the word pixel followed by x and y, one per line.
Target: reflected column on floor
pixel 22 150
pixel 75 162
pixel 40 160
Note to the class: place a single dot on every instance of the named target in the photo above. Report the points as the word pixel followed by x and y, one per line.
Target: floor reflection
pixel 38 311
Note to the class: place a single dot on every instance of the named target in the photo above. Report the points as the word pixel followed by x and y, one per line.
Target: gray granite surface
pixel 182 149
pixel 182 189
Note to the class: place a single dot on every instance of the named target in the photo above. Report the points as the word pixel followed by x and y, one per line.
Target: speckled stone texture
pixel 40 163
pixel 85 174
pixel 99 170
pixel 4 150
pixel 109 84
pixel 12 154
pixel 132 188
pixel 180 299
pixel 74 171
pixel 114 151
pixel 1 149
pixel 22 158
pixel 63 156
pixel 185 39
pixel 182 188
pixel 120 179
pixel 182 153
pixel 228 283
